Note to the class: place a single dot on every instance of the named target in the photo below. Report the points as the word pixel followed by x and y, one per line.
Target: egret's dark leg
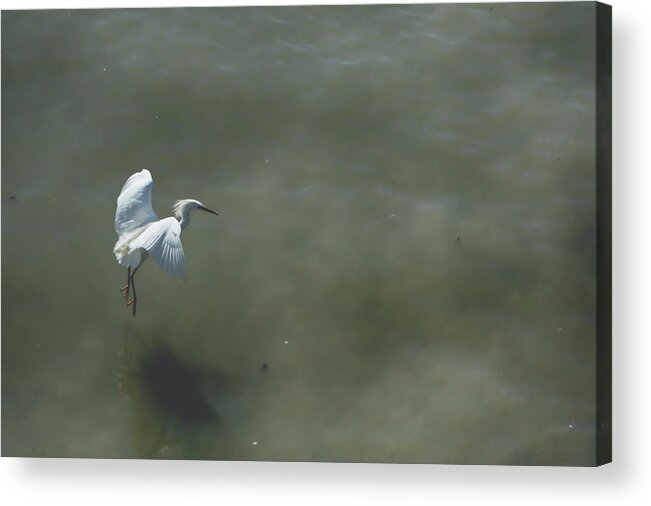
pixel 132 284
pixel 125 290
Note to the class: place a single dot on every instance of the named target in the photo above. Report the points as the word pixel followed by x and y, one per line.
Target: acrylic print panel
pixel 404 267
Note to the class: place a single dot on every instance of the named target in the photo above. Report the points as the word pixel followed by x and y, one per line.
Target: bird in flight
pixel 142 234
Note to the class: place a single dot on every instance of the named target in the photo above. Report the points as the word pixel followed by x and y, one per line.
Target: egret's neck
pixel 183 215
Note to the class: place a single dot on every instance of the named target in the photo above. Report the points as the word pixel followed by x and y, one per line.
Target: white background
pixel 626 481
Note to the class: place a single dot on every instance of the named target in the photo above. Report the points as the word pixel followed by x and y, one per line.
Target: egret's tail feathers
pixel 125 256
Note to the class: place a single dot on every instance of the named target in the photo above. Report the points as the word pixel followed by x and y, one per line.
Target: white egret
pixel 142 234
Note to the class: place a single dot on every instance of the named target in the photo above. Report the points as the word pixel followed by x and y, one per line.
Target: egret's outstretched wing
pixel 134 203
pixel 162 241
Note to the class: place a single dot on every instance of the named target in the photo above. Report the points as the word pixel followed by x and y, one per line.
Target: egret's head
pixel 183 207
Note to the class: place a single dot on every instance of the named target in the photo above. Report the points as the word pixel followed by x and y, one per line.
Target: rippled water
pixel 403 268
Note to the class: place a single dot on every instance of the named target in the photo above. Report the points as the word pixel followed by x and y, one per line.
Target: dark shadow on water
pixel 167 395
pixel 175 387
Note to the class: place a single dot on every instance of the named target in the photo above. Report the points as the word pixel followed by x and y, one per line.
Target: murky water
pixel 403 268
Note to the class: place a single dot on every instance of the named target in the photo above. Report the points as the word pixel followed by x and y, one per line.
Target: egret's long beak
pixel 208 210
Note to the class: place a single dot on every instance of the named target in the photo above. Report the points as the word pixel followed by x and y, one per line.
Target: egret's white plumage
pixel 134 203
pixel 141 233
